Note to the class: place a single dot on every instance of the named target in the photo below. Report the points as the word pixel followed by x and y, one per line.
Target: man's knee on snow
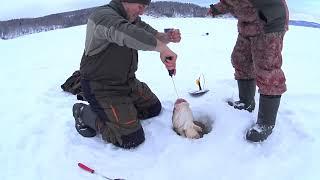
pixel 150 111
pixel 129 141
pixel 132 140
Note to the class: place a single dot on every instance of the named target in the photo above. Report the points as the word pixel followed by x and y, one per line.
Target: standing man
pixel 257 58
pixel 118 100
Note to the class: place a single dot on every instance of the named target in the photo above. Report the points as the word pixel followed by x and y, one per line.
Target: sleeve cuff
pixel 214 10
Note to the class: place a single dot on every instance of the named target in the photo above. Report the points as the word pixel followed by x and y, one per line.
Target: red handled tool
pixel 92 171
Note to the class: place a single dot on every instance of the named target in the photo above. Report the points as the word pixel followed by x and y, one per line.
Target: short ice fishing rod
pixel 92 171
pixel 171 72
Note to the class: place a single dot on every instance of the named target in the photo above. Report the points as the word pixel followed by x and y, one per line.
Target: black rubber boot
pixel 247 90
pixel 268 110
pixel 85 120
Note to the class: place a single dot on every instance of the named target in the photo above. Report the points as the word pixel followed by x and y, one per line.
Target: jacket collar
pixel 118 7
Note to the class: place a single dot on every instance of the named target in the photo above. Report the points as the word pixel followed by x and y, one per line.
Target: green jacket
pixel 110 56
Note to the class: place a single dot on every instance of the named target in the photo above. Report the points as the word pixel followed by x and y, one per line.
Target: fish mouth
pixel 180 100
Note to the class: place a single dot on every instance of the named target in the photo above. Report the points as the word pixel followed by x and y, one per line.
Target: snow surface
pixel 38 140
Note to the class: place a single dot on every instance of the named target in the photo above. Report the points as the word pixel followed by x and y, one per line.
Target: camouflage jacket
pixel 255 16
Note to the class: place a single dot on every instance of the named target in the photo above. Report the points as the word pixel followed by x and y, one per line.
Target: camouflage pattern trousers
pixel 259 57
pixel 119 114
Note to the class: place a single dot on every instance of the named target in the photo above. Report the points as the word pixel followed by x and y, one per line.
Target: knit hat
pixel 146 2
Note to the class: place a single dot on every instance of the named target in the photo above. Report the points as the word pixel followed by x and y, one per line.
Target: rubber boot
pixel 247 90
pixel 85 120
pixel 268 110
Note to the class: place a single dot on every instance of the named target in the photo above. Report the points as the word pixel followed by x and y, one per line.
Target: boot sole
pixel 86 131
pixel 256 142
pixel 231 103
pixel 83 131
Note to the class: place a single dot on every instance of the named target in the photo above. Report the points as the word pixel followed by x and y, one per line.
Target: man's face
pixel 134 10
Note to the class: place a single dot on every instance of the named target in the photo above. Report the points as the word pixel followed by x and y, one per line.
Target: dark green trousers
pixel 120 110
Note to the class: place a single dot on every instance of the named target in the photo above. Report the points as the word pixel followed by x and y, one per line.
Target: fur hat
pixel 146 2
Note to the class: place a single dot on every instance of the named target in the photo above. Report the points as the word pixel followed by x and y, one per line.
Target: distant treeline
pixel 304 23
pixel 175 9
pixel 18 27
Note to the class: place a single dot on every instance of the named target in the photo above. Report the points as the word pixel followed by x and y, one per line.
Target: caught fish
pixel 183 121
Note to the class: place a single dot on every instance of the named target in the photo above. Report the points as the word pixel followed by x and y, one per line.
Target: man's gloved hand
pixel 174 35
pixel 170 36
pixel 169 59
pixel 167 56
